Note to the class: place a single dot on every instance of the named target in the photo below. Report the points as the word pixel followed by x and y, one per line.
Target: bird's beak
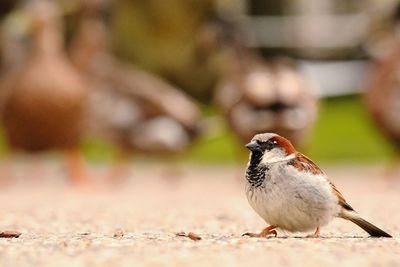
pixel 253 146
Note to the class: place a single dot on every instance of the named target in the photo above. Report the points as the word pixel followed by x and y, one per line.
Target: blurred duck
pixel 383 89
pixel 43 98
pixel 267 96
pixel 135 109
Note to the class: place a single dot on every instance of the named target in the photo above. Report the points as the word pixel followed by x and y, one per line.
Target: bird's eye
pixel 270 144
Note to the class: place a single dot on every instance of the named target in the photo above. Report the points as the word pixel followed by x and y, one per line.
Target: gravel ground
pixel 136 225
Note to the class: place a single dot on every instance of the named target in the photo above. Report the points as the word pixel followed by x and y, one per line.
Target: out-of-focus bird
pixel 383 89
pixel 383 96
pixel 135 109
pixel 43 98
pixel 290 192
pixel 260 96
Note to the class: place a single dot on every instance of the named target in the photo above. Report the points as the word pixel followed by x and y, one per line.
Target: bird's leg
pixel 76 168
pixel 171 173
pixel 270 230
pixel 119 169
pixel 315 234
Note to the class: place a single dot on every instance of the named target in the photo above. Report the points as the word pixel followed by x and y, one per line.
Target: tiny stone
pixel 118 234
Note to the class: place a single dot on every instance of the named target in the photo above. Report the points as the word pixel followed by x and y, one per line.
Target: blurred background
pixel 109 82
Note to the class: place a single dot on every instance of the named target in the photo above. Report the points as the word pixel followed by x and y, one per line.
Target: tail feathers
pixel 367 226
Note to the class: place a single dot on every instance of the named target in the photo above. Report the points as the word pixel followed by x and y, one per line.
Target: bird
pixel 290 192
pixel 134 109
pixel 268 96
pixel 382 88
pixel 383 96
pixel 259 94
pixel 42 99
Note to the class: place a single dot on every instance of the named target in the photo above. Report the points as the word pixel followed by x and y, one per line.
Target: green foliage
pixel 345 132
pixel 97 149
pixel 3 144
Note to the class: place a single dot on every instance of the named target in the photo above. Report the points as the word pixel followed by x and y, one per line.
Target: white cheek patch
pixel 270 156
pixel 275 155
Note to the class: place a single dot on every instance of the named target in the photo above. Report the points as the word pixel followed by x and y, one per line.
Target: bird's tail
pixel 367 226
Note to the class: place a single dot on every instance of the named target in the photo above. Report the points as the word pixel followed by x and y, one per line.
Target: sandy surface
pixel 136 225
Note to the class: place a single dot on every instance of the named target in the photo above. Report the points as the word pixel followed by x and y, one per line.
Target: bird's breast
pixel 291 201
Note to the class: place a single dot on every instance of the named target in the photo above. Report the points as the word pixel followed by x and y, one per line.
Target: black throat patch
pixel 256 172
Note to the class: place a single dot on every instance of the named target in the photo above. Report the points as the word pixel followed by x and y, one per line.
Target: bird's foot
pixel 316 234
pixel 270 230
pixel 78 174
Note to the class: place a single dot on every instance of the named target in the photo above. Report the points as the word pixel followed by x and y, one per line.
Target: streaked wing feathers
pixel 302 163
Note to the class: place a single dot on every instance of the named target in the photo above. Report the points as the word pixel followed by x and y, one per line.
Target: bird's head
pixel 271 147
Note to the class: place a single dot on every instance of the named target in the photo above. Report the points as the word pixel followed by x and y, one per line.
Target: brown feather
pixel 342 201
pixel 302 163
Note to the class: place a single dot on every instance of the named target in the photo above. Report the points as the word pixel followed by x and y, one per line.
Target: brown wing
pixel 302 163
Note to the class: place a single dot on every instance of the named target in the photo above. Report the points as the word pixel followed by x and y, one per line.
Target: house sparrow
pixel 292 193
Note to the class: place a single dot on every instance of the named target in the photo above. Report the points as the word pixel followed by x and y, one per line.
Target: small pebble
pixel 118 234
